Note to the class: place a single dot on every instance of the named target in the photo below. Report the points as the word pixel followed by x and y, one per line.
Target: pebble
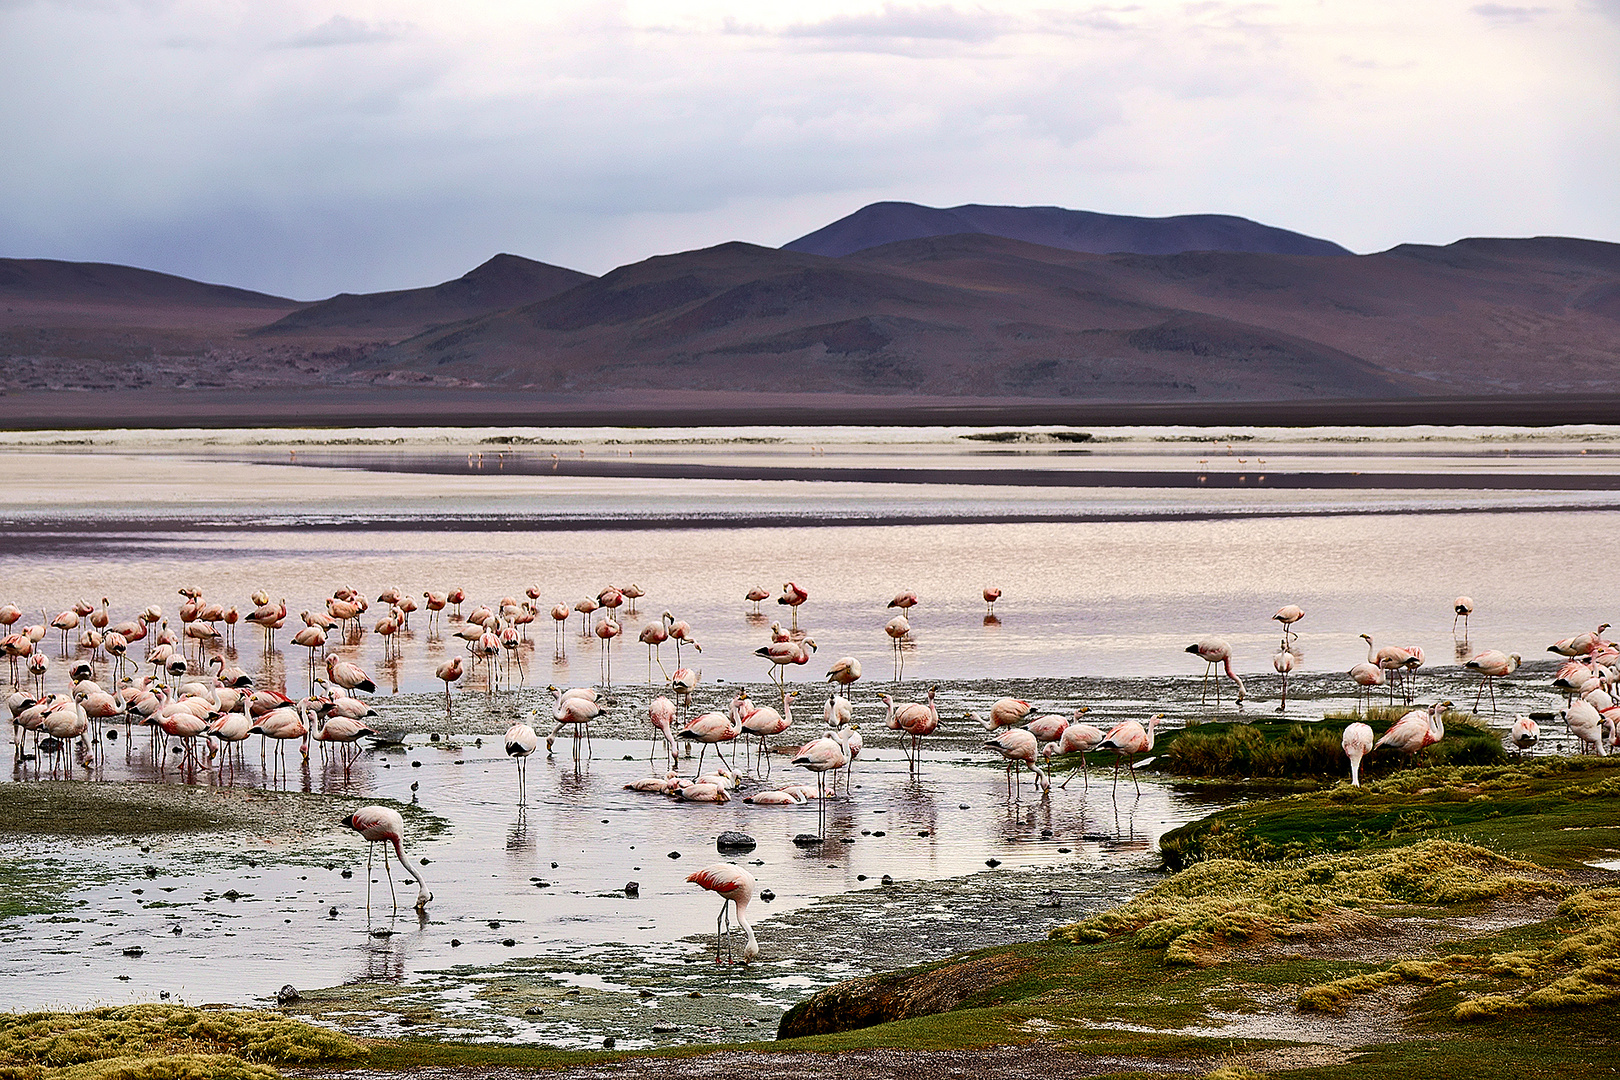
pixel 382 932
pixel 992 863
pixel 416 764
pixel 455 943
pixel 887 880
pixel 648 994
pixel 767 895
pixel 632 888
pixel 805 839
pixel 734 842
pixel 608 1043
pixel 534 1010
pixel 1064 850
pixel 674 854
pixel 348 873
pixel 509 942
pixel 494 924
pixel 879 832
pixel 331 912
pixel 665 1030
pixel 134 950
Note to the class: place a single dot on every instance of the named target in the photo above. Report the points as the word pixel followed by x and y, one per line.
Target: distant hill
pixel 983 315
pixel 505 281
pixel 1052 226
pixel 57 282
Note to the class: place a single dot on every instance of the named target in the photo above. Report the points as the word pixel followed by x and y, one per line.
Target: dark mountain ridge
pixel 1053 226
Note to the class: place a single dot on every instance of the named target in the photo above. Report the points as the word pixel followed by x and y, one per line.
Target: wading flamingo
pixel 380 825
pixel 736 888
pixel 1215 651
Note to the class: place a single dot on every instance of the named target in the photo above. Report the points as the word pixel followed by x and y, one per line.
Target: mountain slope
pixel 505 281
pixel 1053 226
pixel 56 282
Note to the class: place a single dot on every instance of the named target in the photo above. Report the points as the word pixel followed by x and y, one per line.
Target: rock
pixel 887 880
pixel 608 1043
pixel 509 942
pixel 665 1030
pixel 416 764
pixel 382 932
pixel 494 924
pixel 992 863
pixel 647 994
pixel 331 912
pixel 455 943
pixel 674 854
pixel 632 888
pixel 534 1010
pixel 1064 851
pixel 767 895
pixel 433 737
pixel 175 931
pixel 880 999
pixel 287 995
pixel 151 871
pixel 134 950
pixel 879 832
pixel 348 873
pixel 805 839
pixel 734 843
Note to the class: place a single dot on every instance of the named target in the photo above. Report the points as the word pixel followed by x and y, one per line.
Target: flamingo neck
pixel 751 948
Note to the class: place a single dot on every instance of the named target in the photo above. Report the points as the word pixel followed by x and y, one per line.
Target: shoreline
pixel 369 406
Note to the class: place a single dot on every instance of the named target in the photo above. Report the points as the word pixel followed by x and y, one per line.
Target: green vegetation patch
pixel 1222 902
pixel 162 1042
pixel 1284 750
pixel 1561 812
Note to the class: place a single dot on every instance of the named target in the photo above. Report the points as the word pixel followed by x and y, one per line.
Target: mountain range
pixel 895 302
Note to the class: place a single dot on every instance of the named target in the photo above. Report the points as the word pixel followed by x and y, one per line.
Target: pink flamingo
pixel 1358 743
pixel 1130 738
pixel 1215 651
pixel 380 825
pixel 661 714
pixel 1019 745
pixel 913 720
pixel 736 888
pixel 990 598
pixel 755 595
pixel 1492 665
pixel 793 596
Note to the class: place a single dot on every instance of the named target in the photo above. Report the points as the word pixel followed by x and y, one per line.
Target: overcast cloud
pixel 308 148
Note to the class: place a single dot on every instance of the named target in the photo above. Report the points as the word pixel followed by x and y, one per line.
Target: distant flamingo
pixel 632 593
pixel 606 631
pixel 1215 651
pixel 905 601
pixel 1464 607
pixel 1288 616
pixel 755 595
pixel 845 671
pixel 379 824
pixel 1358 743
pixel 793 596
pixel 990 598
pixel 450 671
pixel 898 628
pixel 653 635
pixel 736 888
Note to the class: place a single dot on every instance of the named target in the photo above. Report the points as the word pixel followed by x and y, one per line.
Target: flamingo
pixel 653 635
pixel 905 601
pixel 606 631
pixel 765 722
pixel 1358 743
pixel 632 593
pixel 683 682
pixel 1215 651
pixel 736 888
pixel 1586 724
pixel 521 741
pixel 1019 745
pixel 793 596
pixel 661 714
pixel 1288 616
pixel 1130 738
pixel 1492 665
pixel 585 607
pixel 379 824
pixel 1579 645
pixel 1004 712
pixel 344 731
pixel 914 720
pixel 755 595
pixel 1284 662
pixel 1077 738
pixel 845 671
pixel 822 756
pixel 1525 734
pixel 1464 607
pixel 897 628
pixel 576 707
pixel 1391 659
pixel 450 671
pixel 680 631
pixel 710 729
pixel 1415 730
pixel 783 653
pixel 349 676
pixel 1366 675
pixel 990 598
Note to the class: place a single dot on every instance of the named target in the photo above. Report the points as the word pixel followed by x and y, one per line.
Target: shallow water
pixel 1103 589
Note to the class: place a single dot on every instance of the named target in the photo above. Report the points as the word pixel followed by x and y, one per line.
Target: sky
pixel 308 148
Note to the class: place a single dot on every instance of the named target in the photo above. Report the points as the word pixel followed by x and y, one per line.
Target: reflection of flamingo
pixel 1358 743
pixel 379 824
pixel 736 887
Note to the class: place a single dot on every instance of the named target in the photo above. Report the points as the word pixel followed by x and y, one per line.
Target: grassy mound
pixel 1196 914
pixel 162 1042
pixel 1283 750
pixel 1523 808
